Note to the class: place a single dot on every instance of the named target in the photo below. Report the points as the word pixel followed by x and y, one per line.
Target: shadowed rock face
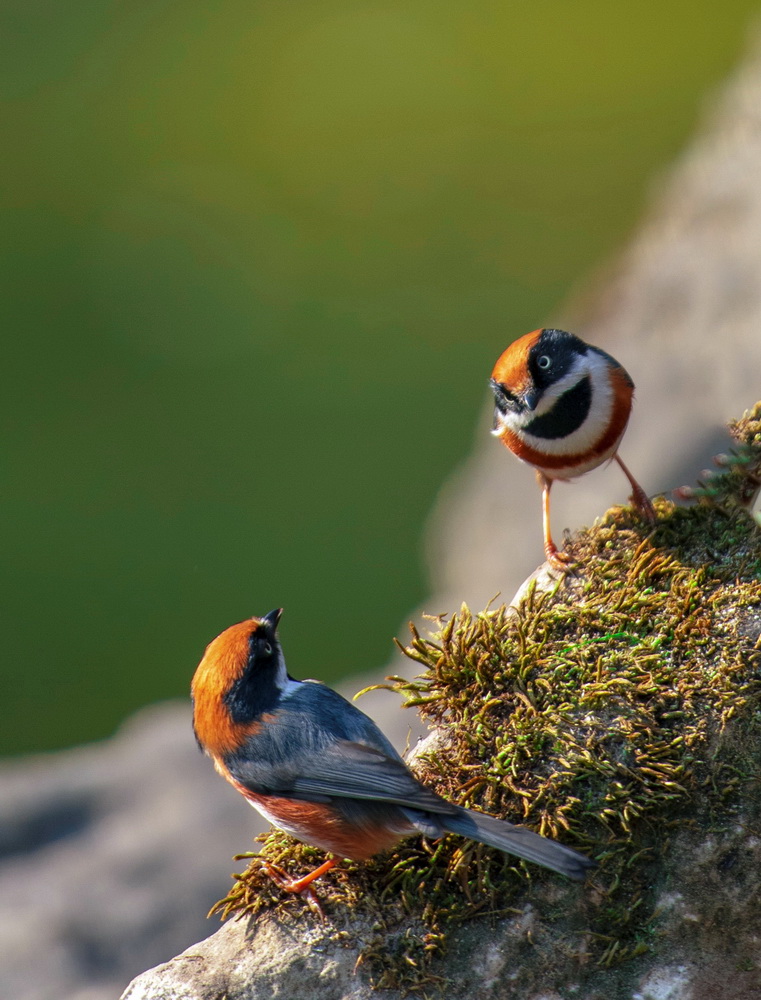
pixel 110 855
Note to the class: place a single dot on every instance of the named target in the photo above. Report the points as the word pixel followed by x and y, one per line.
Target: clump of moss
pixel 609 713
pixel 739 482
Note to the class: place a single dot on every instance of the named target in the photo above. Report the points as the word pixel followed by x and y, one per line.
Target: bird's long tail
pixel 519 841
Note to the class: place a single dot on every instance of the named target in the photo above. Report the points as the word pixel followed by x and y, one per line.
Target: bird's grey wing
pixel 317 746
pixel 353 770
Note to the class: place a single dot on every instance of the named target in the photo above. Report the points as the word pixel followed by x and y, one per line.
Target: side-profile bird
pixel 317 767
pixel 563 406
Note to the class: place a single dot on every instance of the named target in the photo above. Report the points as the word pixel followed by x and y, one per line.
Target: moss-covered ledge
pixel 620 711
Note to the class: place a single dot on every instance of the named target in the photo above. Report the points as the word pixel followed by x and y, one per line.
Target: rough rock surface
pixel 706 925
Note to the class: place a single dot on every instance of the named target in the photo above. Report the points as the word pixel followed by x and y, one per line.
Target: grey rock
pixel 222 964
pixel 706 927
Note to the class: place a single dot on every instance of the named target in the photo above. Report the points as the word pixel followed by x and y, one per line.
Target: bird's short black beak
pixel 273 618
pixel 530 399
pixel 515 402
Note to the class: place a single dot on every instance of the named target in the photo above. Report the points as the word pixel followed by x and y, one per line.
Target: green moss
pixel 609 713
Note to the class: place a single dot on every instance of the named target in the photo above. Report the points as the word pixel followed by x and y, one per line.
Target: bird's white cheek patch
pixel 596 424
pixel 578 371
pixel 502 421
pixel 518 422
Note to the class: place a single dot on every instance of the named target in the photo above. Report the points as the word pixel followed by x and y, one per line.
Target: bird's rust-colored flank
pixel 318 823
pixel 222 665
pixel 512 368
pixel 623 394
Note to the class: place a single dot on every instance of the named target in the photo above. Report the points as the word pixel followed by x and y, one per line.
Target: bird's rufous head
pixel 241 675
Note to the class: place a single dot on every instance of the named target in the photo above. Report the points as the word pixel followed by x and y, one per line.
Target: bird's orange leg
pixel 558 560
pixel 302 885
pixel 639 498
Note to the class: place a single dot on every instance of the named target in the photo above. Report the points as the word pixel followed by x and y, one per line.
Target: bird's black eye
pixel 267 648
pixel 544 362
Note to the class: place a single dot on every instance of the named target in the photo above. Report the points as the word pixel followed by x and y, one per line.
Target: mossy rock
pixel 618 711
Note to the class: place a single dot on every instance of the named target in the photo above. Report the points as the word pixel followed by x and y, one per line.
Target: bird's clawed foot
pixel 561 562
pixel 642 502
pixel 301 886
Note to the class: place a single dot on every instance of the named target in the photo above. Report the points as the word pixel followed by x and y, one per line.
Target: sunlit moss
pixel 610 712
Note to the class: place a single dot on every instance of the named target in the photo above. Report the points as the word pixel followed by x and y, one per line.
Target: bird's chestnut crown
pixel 241 675
pixel 531 365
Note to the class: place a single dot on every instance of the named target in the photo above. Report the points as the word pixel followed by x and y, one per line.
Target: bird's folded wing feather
pixel 358 771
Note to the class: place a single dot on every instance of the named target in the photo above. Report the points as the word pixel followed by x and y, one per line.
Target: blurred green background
pixel 257 262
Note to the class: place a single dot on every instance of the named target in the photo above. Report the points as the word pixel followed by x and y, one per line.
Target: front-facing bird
pixel 318 768
pixel 563 406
